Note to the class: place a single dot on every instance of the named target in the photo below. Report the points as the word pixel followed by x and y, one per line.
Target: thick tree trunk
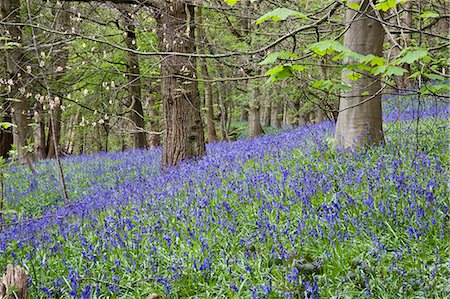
pixel 134 81
pixel 183 130
pixel 210 124
pixel 360 119
pixel 14 58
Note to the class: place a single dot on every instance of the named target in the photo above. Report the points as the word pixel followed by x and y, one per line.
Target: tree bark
pixel 274 116
pixel 153 113
pixel 61 12
pixel 210 124
pixel 255 128
pixel 360 119
pixel 244 113
pixel 266 116
pixel 183 128
pixel 14 283
pixel 134 80
pixel 6 135
pixel 14 58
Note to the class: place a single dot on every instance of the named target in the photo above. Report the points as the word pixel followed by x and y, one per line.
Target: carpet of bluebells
pixel 281 216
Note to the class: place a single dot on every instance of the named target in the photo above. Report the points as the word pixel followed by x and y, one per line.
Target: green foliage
pixel 272 57
pixel 385 5
pixel 412 55
pixel 280 14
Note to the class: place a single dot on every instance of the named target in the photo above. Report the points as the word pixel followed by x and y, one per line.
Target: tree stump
pixel 14 283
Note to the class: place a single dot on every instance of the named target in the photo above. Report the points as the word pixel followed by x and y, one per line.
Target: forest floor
pixel 281 216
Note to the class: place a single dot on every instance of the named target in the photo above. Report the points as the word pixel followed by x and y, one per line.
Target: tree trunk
pixel 210 125
pixel 154 139
pixel 62 23
pixel 274 116
pixel 255 128
pixel 134 80
pixel 183 128
pixel 39 136
pixel 14 63
pixel 244 113
pixel 14 283
pixel 360 119
pixel 266 116
pixel 6 135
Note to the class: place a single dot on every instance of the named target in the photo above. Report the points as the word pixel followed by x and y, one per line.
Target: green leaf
pixel 365 94
pixel 429 15
pixel 272 57
pixel 411 56
pixel 6 125
pixel 280 14
pixel 279 72
pixel 434 77
pixel 374 60
pixel 394 70
pixel 386 5
pixel 326 47
pixel 231 2
pixel 353 76
pixel 414 75
pixel 439 88
pixel 299 67
pixel 354 6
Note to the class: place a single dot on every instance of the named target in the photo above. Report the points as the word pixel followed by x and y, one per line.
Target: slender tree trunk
pixel 6 135
pixel 183 130
pixel 134 80
pixel 274 117
pixel 153 113
pixel 266 116
pixel 72 132
pixel 286 118
pixel 14 63
pixel 39 138
pixel 61 12
pixel 255 128
pixel 360 119
pixel 210 124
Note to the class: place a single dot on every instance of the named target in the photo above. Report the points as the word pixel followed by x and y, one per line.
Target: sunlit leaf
pixel 326 47
pixel 354 6
pixel 272 57
pixel 280 14
pixel 231 2
pixel 412 56
pixel 386 5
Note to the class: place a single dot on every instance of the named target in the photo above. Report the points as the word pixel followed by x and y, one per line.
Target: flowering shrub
pixel 282 216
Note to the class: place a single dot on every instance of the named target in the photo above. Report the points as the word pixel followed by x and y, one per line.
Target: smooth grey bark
pixel 360 120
